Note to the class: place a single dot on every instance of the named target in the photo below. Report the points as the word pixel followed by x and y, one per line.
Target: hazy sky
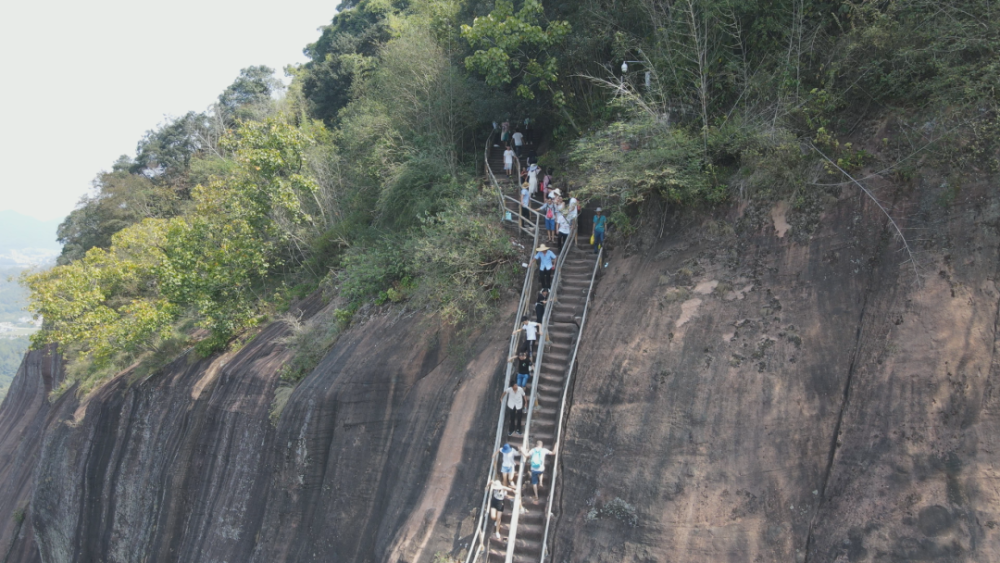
pixel 82 81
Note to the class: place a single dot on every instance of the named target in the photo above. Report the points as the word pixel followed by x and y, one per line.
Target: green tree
pixel 120 199
pixel 108 302
pixel 517 48
pixel 338 57
pixel 251 90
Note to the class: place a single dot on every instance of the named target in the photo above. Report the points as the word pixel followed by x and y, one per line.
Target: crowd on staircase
pixel 540 197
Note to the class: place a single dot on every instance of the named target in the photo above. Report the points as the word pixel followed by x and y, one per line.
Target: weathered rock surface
pixel 374 458
pixel 24 417
pixel 738 398
pixel 772 400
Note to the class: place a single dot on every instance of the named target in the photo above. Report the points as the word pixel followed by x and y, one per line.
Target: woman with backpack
pixel 548 210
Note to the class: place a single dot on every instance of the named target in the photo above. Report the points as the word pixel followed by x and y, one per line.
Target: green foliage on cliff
pixel 361 178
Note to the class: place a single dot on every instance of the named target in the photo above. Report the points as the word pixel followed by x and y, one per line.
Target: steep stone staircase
pixel 562 331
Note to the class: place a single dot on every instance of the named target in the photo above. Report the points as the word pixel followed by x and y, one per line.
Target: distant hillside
pixel 13 297
pixel 27 241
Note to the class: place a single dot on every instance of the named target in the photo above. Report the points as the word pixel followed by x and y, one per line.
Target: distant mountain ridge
pixel 26 241
pixel 19 232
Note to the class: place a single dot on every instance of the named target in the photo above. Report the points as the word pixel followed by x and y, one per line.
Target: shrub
pixel 628 161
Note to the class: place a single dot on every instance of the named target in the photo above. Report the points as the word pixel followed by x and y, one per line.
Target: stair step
pixel 546 436
pixel 548 388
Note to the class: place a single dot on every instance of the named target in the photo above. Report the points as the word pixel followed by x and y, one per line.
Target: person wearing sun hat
pixel 508 467
pixel 600 225
pixel 546 265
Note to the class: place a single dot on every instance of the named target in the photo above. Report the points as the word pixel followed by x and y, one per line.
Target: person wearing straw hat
pixel 498 493
pixel 600 225
pixel 546 265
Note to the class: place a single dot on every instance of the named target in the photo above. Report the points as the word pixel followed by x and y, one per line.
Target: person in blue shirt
pixel 546 265
pixel 600 225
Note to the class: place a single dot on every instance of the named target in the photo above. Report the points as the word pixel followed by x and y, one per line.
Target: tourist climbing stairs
pixel 524 527
pixel 561 334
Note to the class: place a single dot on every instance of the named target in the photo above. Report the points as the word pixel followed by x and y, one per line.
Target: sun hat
pixel 598 210
pixel 524 185
pixel 505 449
pixel 542 248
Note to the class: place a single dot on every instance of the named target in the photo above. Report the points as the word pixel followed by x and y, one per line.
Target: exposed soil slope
pixel 766 397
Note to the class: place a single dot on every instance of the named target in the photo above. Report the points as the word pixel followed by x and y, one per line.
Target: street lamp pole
pixel 648 73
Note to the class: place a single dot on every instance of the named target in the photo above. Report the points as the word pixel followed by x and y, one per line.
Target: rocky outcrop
pixel 25 415
pixel 372 459
pixel 762 398
pixel 768 394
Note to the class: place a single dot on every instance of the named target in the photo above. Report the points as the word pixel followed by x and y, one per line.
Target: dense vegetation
pixel 360 178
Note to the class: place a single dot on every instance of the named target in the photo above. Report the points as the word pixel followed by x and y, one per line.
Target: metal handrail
pixel 562 406
pixel 489 171
pixel 526 440
pixel 529 279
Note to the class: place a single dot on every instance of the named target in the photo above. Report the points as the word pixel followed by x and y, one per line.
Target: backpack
pixel 537 459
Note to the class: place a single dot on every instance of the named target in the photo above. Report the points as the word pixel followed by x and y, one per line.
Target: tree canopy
pixel 359 179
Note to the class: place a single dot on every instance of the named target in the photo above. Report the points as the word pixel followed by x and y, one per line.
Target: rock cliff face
pixel 758 398
pixel 771 395
pixel 372 460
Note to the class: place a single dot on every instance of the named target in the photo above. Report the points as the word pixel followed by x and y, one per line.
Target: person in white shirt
pixel 508 160
pixel 525 204
pixel 508 467
pixel 533 180
pixel 518 142
pixel 498 493
pixel 572 212
pixel 536 460
pixel 513 398
pixel 562 225
pixel 532 331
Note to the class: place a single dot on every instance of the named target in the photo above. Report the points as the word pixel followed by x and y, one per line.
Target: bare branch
pixel 867 192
